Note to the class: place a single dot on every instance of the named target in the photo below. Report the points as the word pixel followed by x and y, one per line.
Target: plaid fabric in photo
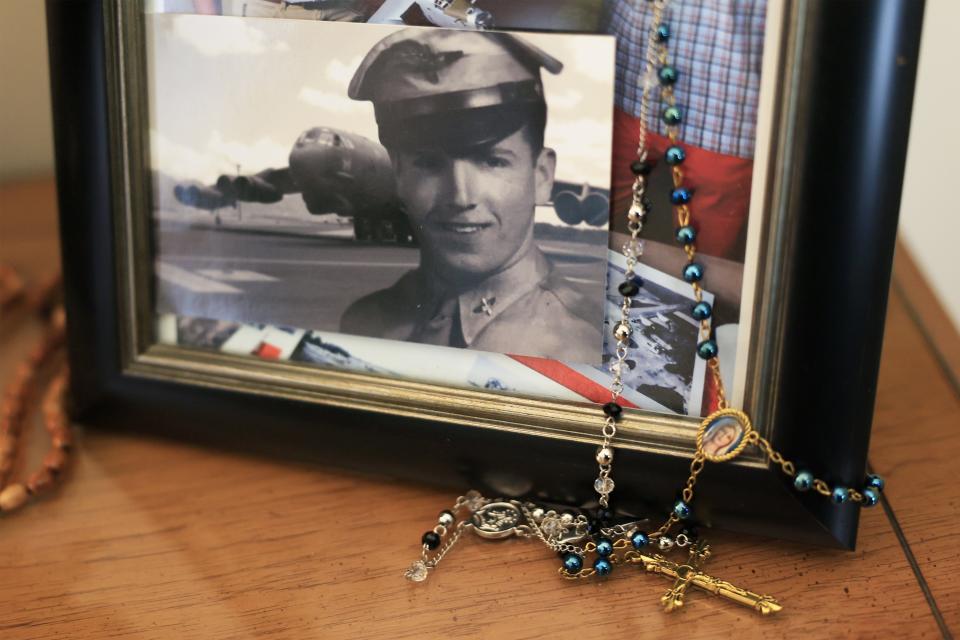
pixel 716 46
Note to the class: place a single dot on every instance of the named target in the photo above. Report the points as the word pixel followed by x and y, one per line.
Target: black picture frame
pixel 849 113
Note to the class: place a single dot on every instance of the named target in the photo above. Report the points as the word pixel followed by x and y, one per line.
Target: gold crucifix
pixel 688 574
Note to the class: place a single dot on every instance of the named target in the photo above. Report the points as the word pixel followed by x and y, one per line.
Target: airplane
pixel 343 173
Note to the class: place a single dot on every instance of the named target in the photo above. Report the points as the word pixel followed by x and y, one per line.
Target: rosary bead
pixel 680 195
pixel 871 496
pixel 602 566
pixel 702 310
pixel 707 349
pixel 672 117
pixel 446 518
pixel 839 495
pixel 13 497
pixel 605 455
pixel 572 563
pixel 604 547
pixel 692 533
pixel 675 155
pixel 55 460
pixel 621 331
pixel 639 540
pixel 682 510
pixel 40 481
pixel 431 539
pixel 693 272
pixel 875 481
pixel 628 289
pixel 641 167
pixel 613 410
pixel 686 234
pixel 663 33
pixel 667 75
pixel 665 543
pixel 803 481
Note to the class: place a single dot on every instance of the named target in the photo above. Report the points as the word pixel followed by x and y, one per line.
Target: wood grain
pixel 156 539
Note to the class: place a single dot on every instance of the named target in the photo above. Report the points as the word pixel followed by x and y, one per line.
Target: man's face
pixel 473 211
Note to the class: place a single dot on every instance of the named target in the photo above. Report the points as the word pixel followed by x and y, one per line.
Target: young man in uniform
pixel 462 115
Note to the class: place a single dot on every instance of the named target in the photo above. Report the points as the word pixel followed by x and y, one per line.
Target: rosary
pixel 593 546
pixel 25 387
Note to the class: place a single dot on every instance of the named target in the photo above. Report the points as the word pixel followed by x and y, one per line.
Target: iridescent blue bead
pixel 693 272
pixel 672 116
pixel 702 310
pixel 803 481
pixel 640 540
pixel 875 481
pixel 667 75
pixel 604 547
pixel 839 495
pixel 682 510
pixel 602 566
pixel 572 563
pixel 663 33
pixel 674 155
pixel 680 196
pixel 707 349
pixel 871 496
pixel 686 234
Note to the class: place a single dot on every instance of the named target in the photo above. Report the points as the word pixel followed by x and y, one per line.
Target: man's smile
pixel 464 228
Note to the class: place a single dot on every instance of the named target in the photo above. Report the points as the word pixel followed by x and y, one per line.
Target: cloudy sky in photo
pixel 226 91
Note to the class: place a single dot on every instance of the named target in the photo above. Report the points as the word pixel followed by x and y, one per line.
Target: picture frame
pixel 844 81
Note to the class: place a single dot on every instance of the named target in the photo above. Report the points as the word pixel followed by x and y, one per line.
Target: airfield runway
pixel 296 274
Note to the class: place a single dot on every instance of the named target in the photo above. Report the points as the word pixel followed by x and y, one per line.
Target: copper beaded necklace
pixel 25 388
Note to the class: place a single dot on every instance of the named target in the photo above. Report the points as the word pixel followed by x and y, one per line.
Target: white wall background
pixel 930 213
pixel 930 209
pixel 26 139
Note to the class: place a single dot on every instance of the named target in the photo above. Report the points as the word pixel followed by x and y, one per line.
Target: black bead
pixel 431 539
pixel 691 532
pixel 641 167
pixel 594 527
pixel 613 410
pixel 628 289
pixel 605 516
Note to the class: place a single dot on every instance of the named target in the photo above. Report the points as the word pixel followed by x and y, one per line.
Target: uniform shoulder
pixel 574 301
pixel 371 314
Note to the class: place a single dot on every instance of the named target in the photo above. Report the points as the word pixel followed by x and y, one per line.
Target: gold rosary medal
pixel 724 434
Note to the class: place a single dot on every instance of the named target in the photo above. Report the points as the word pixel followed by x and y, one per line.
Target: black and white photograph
pixel 417 184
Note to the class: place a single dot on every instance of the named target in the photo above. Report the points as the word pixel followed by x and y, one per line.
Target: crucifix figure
pixel 688 574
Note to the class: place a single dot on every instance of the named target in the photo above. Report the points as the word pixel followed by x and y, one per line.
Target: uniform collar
pixel 481 304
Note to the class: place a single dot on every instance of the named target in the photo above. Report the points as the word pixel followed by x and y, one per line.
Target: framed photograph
pixel 389 236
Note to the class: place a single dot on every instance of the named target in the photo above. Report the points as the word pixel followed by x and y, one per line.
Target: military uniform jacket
pixel 526 309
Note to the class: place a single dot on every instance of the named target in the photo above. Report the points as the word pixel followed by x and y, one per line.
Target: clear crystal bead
pixel 633 248
pixel 603 485
pixel 473 500
pixel 417 572
pixel 552 527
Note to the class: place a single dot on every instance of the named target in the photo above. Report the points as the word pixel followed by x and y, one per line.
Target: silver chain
pixel 632 250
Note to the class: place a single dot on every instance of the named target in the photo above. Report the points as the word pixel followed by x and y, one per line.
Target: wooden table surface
pixel 156 539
